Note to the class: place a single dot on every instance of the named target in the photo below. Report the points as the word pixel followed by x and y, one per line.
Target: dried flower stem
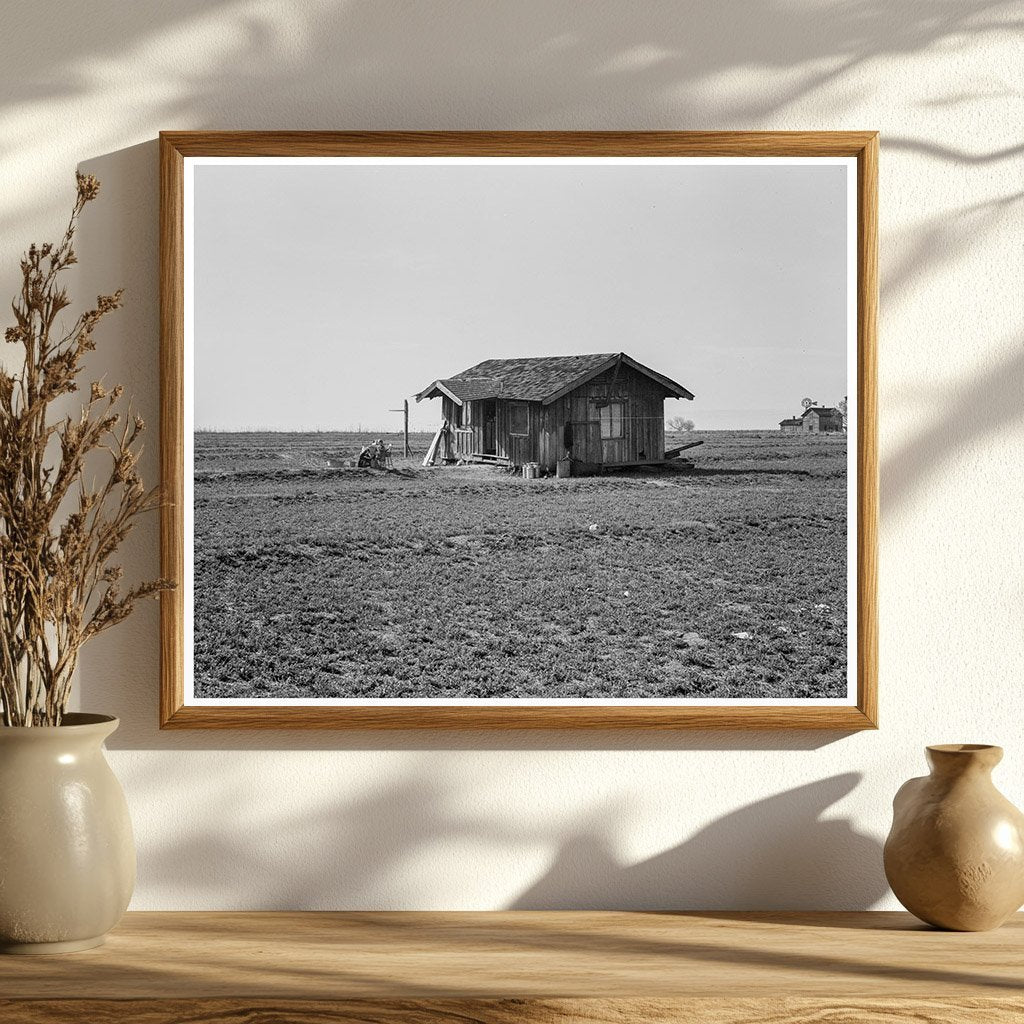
pixel 58 588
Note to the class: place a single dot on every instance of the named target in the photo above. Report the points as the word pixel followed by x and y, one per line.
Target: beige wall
pixel 747 820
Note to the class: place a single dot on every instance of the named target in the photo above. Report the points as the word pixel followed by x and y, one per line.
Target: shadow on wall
pixel 316 59
pixel 940 243
pixel 381 63
pixel 778 853
pixel 991 404
pixel 775 854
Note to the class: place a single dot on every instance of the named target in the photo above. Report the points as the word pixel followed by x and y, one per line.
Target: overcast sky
pixel 324 295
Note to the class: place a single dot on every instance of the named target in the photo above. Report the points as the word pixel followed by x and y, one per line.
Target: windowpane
pixel 611 420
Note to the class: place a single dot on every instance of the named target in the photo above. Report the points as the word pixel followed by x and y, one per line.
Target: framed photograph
pixel 519 430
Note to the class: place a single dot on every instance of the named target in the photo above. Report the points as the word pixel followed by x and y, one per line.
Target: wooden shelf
pixel 500 968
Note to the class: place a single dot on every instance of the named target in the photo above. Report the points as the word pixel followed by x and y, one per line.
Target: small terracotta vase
pixel 67 856
pixel 955 854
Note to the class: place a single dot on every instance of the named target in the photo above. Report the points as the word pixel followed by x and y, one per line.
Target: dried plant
pixel 58 587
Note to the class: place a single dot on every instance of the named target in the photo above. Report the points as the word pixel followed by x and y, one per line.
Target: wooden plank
pixel 867 428
pixel 469 716
pixel 428 459
pixel 723 1010
pixel 172 419
pixel 501 143
pixel 611 467
pixel 674 453
pixel 601 966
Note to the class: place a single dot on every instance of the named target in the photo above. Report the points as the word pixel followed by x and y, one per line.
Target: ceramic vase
pixel 67 856
pixel 955 855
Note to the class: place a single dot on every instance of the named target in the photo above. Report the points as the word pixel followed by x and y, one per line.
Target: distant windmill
pixel 807 403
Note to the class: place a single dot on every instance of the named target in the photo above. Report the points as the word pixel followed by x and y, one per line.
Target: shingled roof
pixel 822 411
pixel 539 379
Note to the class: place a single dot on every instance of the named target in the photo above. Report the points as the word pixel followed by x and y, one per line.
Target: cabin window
pixel 611 420
pixel 519 415
pixel 456 415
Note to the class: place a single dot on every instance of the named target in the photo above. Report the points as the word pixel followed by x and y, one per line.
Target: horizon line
pixel 398 432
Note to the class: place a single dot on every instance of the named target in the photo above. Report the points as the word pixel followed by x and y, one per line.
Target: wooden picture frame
pixel 178 147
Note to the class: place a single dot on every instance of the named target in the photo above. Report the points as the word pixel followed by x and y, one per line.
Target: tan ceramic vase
pixel 955 855
pixel 67 857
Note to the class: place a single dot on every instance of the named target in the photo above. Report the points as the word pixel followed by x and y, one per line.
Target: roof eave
pixel 437 390
pixel 666 382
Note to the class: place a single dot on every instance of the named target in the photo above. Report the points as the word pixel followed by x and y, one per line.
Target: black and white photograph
pixel 521 430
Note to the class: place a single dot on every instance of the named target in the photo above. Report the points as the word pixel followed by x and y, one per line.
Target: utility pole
pixel 405 420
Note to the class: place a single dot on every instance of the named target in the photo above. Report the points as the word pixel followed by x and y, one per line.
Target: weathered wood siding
pixel 643 421
pixel 450 411
pixel 519 448
pixel 462 439
pixel 470 436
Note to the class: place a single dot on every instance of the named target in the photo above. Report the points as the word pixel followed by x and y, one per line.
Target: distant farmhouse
pixel 815 420
pixel 600 411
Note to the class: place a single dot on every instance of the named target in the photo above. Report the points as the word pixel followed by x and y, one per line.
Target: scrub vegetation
pixel 315 578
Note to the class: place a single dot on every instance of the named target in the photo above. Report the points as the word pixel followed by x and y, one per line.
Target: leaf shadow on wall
pixel 401 844
pixel 777 853
pixel 990 404
pixel 318 62
pixel 372 64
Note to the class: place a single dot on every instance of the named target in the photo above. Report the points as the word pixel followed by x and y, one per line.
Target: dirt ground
pixel 317 579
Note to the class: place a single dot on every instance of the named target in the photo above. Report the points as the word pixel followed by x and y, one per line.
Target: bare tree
pixel 678 425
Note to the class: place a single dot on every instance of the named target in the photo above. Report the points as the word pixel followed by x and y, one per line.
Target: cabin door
pixel 490 416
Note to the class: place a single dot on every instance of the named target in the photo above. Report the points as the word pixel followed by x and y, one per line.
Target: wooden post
pixel 405 424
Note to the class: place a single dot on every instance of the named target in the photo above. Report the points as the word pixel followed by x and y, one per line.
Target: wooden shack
pixel 599 412
pixel 819 420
